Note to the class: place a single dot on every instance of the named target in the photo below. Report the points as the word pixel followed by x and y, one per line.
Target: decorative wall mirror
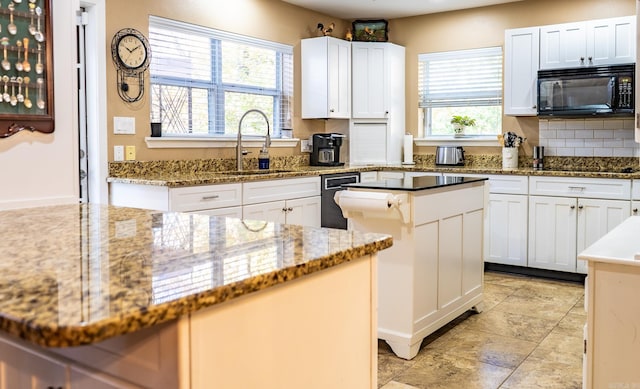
pixel 26 67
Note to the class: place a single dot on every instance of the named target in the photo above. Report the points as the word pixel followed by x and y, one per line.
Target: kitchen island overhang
pixel 90 278
pixel 434 271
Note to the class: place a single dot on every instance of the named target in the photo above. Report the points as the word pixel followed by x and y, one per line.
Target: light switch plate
pixel 124 125
pixel 305 146
pixel 130 153
pixel 118 153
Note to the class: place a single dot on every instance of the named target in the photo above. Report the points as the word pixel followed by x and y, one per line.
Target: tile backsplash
pixel 589 137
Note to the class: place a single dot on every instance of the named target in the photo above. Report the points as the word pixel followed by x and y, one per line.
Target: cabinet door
pixel 596 218
pixel 521 59
pixel 611 41
pixel 563 45
pixel 273 211
pixel 304 212
pixel 552 233
pixel 369 80
pixel 506 229
pixel 339 74
pixel 21 367
pixel 81 378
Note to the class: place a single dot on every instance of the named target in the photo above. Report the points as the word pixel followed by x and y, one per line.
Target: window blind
pixel 460 78
pixel 203 80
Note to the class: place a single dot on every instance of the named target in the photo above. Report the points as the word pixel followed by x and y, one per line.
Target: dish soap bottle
pixel 263 158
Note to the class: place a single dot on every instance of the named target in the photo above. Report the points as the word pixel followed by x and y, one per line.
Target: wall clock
pixel 131 55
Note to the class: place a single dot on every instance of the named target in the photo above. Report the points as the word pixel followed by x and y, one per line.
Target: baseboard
pixel 533 272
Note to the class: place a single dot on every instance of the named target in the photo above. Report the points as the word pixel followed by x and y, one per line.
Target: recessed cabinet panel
pixel 521 57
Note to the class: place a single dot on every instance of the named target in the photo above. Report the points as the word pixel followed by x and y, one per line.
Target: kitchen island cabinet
pixel 613 312
pixel 103 297
pixel 434 271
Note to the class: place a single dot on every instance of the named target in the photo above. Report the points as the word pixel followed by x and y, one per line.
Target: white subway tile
pixel 593 143
pixel 631 143
pixel 566 134
pixel 574 142
pixel 548 134
pixel 613 143
pixel 565 151
pixel 575 124
pixel 603 134
pixel 543 124
pixel 623 134
pixel 613 124
pixel 584 152
pixel 550 151
pixel 593 124
pixel 603 152
pixel 623 152
pixel 629 123
pixel 543 142
pixel 584 134
pixel 557 124
pixel 557 143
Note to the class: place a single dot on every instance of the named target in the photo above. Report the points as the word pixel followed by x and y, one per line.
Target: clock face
pixel 132 51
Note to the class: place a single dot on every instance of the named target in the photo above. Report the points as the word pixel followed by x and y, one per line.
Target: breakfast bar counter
pixel 160 299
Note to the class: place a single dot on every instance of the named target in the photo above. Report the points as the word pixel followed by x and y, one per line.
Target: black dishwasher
pixel 331 214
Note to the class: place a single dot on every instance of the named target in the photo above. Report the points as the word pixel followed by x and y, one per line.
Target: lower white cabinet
pixel 506 229
pixel 82 378
pixel 560 227
pixel 21 367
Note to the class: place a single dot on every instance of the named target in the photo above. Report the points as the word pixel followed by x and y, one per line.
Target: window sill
pixel 448 140
pixel 176 142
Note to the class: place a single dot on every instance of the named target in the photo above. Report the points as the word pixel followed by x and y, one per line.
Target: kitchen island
pixel 99 296
pixel 613 309
pixel 434 271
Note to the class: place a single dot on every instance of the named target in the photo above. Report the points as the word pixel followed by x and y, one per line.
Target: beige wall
pixel 267 19
pixel 484 27
pixel 281 22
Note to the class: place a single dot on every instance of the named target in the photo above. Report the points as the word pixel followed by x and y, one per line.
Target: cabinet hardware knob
pixel 635 210
pixel 573 207
pixel 332 110
pixel 290 209
pixel 590 59
pixel 581 59
pixel 213 197
pixel 580 206
pixel 284 209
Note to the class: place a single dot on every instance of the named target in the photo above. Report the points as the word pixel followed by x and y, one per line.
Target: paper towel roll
pixel 408 149
pixel 357 201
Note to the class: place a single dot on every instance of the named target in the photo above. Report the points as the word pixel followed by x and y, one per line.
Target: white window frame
pixel 214 138
pixel 494 97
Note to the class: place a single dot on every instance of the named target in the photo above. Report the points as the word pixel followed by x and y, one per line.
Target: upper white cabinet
pixel 378 79
pixel 326 78
pixel 596 42
pixel 521 57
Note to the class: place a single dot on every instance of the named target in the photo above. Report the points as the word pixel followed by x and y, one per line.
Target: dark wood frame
pixel 370 30
pixel 12 123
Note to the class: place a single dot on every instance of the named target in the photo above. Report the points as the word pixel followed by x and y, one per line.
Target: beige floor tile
pixel 390 366
pixel 510 280
pixel 485 347
pixel 509 324
pixel 535 373
pixel 548 307
pixel 493 294
pixel 397 385
pixel 561 347
pixel 573 324
pixel 550 288
pixel 436 370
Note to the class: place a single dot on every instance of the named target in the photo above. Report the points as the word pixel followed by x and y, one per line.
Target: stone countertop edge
pixel 176 180
pixel 32 311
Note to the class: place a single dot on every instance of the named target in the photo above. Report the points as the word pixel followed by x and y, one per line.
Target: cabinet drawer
pixel 195 198
pixel 368 176
pixel 602 188
pixel 274 190
pixel 635 194
pixel 499 183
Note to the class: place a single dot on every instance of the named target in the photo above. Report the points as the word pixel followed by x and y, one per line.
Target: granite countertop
pixel 78 274
pixel 204 172
pixel 414 184
pixel 619 246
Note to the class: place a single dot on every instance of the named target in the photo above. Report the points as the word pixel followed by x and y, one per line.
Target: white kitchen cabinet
pixel 595 42
pixel 596 218
pixel 202 198
pixel 568 214
pixel 326 78
pixel 368 176
pixel 521 62
pixel 83 378
pixel 377 68
pixel 22 367
pixel 290 201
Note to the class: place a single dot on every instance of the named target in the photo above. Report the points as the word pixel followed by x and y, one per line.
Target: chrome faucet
pixel 239 151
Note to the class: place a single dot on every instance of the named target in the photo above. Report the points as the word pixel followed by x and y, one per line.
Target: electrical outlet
pixel 130 153
pixel 118 153
pixel 305 146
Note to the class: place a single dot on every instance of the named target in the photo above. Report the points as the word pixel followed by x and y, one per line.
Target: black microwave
pixel 587 91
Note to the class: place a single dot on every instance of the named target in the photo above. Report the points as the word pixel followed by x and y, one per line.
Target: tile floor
pixel 529 336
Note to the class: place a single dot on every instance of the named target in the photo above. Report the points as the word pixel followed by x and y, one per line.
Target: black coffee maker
pixel 326 149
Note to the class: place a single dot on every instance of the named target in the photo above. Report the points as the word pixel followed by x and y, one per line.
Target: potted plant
pixel 460 123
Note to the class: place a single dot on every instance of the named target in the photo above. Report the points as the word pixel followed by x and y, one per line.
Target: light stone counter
pixel 79 274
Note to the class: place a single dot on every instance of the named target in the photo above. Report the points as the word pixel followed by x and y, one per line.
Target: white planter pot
pixel 509 158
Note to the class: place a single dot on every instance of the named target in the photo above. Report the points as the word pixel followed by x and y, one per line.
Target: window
pixel 467 82
pixel 203 80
